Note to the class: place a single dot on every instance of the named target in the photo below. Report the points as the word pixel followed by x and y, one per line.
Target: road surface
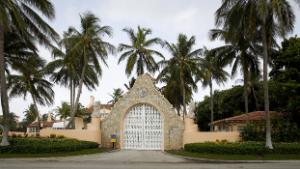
pixel 136 160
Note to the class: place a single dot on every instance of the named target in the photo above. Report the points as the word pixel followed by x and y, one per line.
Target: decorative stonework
pixel 143 92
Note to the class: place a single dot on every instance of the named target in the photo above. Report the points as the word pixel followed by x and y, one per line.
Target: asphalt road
pixel 136 160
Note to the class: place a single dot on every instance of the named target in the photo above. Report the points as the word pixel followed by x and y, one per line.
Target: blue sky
pixel 166 18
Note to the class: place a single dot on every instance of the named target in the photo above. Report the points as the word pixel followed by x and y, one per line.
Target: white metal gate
pixel 143 128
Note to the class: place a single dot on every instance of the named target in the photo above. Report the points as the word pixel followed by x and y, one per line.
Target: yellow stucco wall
pixel 192 135
pixel 86 135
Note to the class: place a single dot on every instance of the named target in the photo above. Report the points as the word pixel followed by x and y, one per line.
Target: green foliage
pixel 282 131
pixel 64 110
pixel 117 93
pixel 255 148
pixel 12 121
pixel 139 52
pixel 45 145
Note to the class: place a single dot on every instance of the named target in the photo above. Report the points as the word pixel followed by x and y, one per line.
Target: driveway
pixel 135 160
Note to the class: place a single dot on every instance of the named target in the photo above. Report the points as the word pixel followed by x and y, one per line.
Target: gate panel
pixel 143 128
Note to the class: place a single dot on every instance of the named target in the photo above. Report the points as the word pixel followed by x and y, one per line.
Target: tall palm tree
pixel 117 93
pixel 88 45
pixel 272 18
pixel 31 80
pixel 241 51
pixel 139 53
pixel 65 71
pixel 172 90
pixel 184 59
pixel 211 70
pixel 25 17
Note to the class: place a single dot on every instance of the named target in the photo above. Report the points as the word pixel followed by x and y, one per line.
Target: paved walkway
pixel 135 160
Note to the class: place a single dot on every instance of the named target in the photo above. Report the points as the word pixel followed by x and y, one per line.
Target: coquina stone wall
pixel 143 92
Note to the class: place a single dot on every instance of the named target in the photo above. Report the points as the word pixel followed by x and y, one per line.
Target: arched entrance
pixel 143 128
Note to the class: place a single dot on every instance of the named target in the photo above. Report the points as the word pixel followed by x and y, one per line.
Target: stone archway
pixel 143 92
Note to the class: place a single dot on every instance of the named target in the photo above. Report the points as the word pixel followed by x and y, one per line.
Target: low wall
pixel 192 135
pixel 17 133
pixel 85 135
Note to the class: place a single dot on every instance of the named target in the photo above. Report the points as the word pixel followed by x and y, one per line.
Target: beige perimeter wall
pixel 86 135
pixel 192 135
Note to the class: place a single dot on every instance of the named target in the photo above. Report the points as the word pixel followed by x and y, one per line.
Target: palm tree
pixel 88 45
pixel 30 114
pixel 24 16
pixel 65 71
pixel 211 69
pixel 185 60
pixel 272 18
pixel 172 89
pixel 64 111
pixel 240 51
pixel 32 80
pixel 139 53
pixel 117 93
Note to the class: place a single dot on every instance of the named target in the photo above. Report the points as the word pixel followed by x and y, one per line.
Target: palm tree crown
pixel 184 63
pixel 139 53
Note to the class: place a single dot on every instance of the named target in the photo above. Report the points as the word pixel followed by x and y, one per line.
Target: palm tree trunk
pixel 37 112
pixel 183 92
pixel 266 87
pixel 75 106
pixel 255 98
pixel 246 91
pixel 211 105
pixel 3 87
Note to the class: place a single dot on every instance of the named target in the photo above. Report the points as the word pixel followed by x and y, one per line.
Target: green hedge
pixel 46 145
pixel 243 148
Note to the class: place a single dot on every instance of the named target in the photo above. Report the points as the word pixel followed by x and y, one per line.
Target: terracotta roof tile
pixel 252 116
pixel 43 124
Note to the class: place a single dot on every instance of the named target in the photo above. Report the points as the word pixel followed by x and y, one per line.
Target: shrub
pixel 282 131
pixel 52 135
pixel 61 136
pixel 13 135
pixel 255 148
pixel 45 145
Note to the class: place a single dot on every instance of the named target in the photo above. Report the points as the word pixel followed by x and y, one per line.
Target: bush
pixel 61 136
pixel 45 145
pixel 52 135
pixel 282 131
pixel 253 148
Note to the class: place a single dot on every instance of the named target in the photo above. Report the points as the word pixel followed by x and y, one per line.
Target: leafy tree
pixel 13 119
pixel 24 17
pixel 184 62
pixel 272 18
pixel 117 93
pixel 88 45
pixel 139 53
pixel 212 70
pixel 286 74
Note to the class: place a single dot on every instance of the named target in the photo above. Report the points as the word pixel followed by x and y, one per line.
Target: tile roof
pixel 43 124
pixel 252 116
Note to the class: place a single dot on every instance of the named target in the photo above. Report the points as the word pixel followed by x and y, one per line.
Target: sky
pixel 166 18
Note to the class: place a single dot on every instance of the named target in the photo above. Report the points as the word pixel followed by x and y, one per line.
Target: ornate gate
pixel 143 128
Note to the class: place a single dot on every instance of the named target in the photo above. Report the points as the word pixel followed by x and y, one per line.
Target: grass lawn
pixel 236 156
pixel 54 154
